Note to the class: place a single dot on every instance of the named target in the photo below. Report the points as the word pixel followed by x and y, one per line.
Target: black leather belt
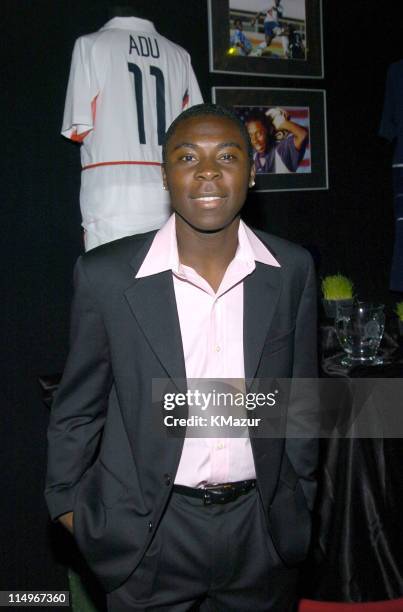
pixel 218 494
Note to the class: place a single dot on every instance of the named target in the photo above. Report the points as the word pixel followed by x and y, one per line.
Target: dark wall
pixel 350 225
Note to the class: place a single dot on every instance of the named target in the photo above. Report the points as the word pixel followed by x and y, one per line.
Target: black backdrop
pixel 350 225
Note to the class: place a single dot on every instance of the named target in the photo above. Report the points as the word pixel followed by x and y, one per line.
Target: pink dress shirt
pixel 212 336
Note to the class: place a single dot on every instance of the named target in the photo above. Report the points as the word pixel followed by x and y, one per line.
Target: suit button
pixel 150 526
pixel 167 479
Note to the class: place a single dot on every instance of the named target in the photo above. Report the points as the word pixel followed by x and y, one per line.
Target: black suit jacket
pixel 105 461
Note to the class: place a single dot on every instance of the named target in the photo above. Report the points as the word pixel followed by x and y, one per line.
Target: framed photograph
pixel 288 133
pixel 274 38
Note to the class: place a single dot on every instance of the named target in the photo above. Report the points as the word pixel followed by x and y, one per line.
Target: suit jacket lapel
pixel 261 294
pixel 153 304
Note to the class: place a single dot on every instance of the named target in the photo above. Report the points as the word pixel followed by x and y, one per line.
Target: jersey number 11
pixel 160 99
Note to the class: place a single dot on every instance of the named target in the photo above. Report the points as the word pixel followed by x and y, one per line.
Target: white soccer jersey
pixel 274 13
pixel 127 84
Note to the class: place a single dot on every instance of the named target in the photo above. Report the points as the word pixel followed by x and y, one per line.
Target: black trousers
pixel 217 558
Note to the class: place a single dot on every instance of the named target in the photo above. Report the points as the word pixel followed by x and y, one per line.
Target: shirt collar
pixel 252 249
pixel 163 253
pixel 130 23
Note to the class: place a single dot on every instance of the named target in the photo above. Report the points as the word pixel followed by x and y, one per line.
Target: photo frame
pixel 294 34
pixel 288 131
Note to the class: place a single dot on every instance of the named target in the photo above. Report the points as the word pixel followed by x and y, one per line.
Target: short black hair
pixel 203 110
pixel 258 115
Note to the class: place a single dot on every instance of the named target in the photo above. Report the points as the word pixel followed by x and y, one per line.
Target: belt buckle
pixel 219 494
pixel 207 498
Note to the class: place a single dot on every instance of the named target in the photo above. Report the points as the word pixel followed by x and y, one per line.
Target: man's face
pixel 207 171
pixel 258 135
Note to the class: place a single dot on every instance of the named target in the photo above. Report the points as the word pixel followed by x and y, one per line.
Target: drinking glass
pixel 359 328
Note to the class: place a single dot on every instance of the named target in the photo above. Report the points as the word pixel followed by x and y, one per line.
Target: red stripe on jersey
pixel 94 109
pixel 122 163
pixel 79 137
pixel 185 100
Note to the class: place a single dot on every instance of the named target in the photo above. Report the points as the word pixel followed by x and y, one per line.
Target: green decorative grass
pixel 337 287
pixel 81 600
pixel 399 310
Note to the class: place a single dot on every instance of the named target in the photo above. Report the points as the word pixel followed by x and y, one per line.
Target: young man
pixel 272 156
pixel 239 40
pixel 272 26
pixel 172 522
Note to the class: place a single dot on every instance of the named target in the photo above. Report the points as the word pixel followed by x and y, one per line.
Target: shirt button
pixel 220 445
pixel 217 348
pixel 167 479
pixel 150 526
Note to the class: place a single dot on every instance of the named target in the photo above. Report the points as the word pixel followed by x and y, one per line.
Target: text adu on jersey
pixel 143 45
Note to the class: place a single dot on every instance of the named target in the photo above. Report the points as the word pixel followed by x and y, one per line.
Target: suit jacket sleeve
pixel 78 412
pixel 302 450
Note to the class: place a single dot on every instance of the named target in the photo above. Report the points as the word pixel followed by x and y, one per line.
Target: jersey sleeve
pixel 289 154
pixel 192 94
pixel 82 91
pixel 388 126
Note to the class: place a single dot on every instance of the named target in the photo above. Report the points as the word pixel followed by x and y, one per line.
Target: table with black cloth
pixel 357 545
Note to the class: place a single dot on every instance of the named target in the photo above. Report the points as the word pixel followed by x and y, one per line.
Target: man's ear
pixel 252 175
pixel 164 177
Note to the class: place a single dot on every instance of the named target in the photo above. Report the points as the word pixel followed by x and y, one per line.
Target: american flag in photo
pixel 297 114
pixel 300 115
pixel 185 99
